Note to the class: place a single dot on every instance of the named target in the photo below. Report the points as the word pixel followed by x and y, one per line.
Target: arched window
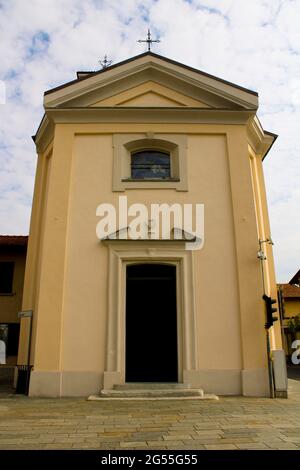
pixel 150 165
pixel 149 161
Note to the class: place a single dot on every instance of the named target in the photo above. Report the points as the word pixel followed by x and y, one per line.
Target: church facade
pixel 117 309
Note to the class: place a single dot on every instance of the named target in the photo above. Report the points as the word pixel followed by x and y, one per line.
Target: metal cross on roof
pixel 105 63
pixel 149 41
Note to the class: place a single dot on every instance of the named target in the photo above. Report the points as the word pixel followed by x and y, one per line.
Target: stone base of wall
pixel 255 383
pixel 65 383
pixel 248 382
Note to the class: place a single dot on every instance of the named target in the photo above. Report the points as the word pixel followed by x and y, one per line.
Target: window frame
pixel 12 338
pixel 124 145
pixel 11 281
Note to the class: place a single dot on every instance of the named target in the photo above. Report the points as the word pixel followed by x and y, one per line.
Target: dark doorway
pixel 151 323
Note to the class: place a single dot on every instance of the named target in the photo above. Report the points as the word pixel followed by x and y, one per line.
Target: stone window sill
pixel 150 180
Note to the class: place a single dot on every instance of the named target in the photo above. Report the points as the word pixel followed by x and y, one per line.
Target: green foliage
pixel 294 323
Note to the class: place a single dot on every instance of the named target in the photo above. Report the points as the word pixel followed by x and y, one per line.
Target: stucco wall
pixel 71 299
pixel 291 307
pixel 84 325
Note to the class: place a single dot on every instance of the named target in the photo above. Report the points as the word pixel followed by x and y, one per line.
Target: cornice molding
pixel 260 140
pixel 171 115
pixel 223 89
pixel 45 134
pixel 148 115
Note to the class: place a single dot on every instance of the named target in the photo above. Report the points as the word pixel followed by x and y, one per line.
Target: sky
pixel 255 44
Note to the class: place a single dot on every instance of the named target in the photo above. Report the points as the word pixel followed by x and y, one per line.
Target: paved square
pixel 230 423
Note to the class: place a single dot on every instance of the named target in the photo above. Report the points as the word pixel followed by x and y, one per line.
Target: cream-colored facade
pixel 76 284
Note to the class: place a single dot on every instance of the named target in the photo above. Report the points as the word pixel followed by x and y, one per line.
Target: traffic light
pixel 270 310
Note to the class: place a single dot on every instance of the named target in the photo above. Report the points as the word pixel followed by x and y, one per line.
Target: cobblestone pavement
pixel 230 423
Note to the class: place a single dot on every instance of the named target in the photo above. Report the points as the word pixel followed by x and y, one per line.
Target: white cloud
pixel 255 44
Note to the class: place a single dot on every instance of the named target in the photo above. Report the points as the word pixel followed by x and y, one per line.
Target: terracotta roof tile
pixel 13 240
pixel 290 291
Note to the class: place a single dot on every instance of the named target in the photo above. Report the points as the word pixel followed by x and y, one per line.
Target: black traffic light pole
pixel 270 320
pixel 270 365
pixel 262 258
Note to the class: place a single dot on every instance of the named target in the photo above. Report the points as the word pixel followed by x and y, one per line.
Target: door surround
pixel 124 252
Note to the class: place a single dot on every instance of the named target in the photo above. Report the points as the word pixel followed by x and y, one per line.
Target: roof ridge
pixel 152 54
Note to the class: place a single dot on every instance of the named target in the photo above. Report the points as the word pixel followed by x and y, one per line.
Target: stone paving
pixel 230 423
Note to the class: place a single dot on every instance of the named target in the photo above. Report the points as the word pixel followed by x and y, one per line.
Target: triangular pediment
pixel 175 234
pixel 150 80
pixel 150 94
pixel 150 98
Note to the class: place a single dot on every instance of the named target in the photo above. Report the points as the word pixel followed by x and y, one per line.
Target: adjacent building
pixel 12 268
pixel 289 303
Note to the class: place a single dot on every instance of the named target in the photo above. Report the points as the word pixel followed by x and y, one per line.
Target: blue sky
pixel 254 43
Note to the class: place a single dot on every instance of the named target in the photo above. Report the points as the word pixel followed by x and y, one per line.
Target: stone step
pixel 152 393
pixel 142 397
pixel 151 386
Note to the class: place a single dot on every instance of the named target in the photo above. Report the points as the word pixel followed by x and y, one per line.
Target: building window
pixel 9 334
pixel 6 277
pixel 149 161
pixel 150 165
